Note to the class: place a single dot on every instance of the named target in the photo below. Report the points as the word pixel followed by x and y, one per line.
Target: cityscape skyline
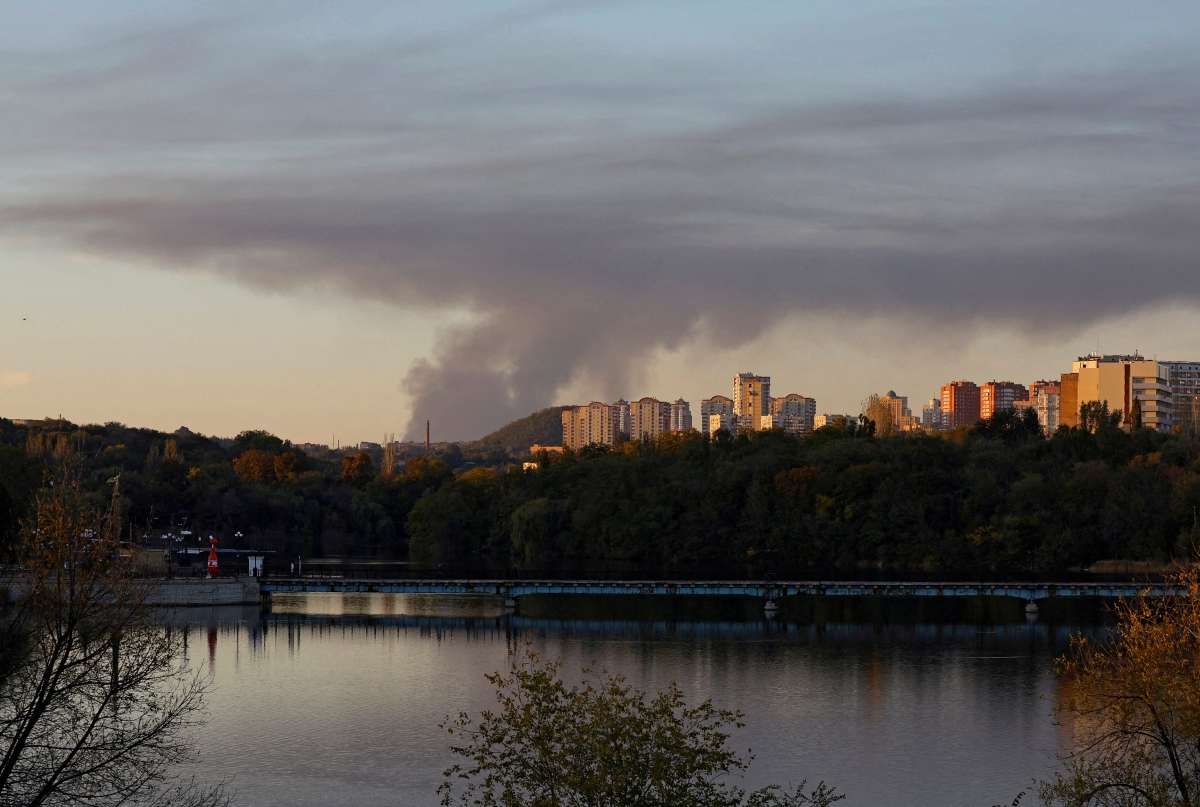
pixel 320 221
pixel 825 375
pixel 940 412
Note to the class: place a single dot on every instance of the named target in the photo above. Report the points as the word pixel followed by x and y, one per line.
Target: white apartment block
pixel 716 405
pixel 622 407
pixel 681 416
pixel 724 421
pixel 792 424
pixel 1047 404
pixel 798 407
pixel 648 418
pixel 584 425
pixel 931 414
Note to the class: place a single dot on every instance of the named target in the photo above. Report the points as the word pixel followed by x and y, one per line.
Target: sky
pixel 337 220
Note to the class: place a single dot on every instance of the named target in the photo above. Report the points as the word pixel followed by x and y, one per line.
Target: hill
pixel 542 428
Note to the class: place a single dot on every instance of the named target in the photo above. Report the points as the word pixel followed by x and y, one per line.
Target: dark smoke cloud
pixel 1052 205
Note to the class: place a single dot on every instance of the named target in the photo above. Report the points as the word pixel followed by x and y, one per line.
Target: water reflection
pixel 335 699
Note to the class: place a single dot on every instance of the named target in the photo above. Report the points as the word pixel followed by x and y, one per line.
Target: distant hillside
pixel 541 428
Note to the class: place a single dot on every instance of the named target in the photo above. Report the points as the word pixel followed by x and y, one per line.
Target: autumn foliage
pixel 358 469
pixel 255 465
pixel 1133 703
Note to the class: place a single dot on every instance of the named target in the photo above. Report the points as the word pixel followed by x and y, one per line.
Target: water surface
pixel 335 699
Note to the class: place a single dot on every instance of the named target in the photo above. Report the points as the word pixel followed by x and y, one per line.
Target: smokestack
pixel 427 437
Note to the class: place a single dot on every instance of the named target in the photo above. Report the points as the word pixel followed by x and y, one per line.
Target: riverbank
pixel 184 592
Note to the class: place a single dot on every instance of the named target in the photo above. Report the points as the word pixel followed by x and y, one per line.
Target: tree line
pixel 998 495
pixel 276 496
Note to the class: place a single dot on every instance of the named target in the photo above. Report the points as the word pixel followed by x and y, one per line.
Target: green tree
pixel 1095 417
pixel 600 743
pixel 427 472
pixel 1013 426
pixel 536 525
pixel 258 438
pixel 1135 415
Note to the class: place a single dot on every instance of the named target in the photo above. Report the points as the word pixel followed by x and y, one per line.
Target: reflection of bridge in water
pixel 260 629
pixel 768 590
pixel 920 633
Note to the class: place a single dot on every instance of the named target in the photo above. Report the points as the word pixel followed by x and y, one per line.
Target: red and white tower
pixel 212 557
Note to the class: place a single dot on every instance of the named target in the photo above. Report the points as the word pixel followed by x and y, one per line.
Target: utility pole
pixel 427 437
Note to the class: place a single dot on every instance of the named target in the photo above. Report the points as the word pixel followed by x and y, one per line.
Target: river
pixel 335 699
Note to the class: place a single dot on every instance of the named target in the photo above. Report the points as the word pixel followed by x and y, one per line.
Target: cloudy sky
pixel 342 218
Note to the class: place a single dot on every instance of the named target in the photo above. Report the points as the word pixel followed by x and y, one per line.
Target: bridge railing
pixel 360 570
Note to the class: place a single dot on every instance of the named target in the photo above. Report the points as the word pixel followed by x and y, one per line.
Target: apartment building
pixel 1044 399
pixel 730 423
pixel 996 396
pixel 751 398
pixel 1185 394
pixel 716 405
pixel 797 407
pixel 681 416
pixel 648 418
pixel 622 406
pixel 595 423
pixel 821 421
pixel 792 424
pixel 960 404
pixel 1118 379
pixel 931 414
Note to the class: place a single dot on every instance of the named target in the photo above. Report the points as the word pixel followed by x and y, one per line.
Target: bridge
pixel 768 590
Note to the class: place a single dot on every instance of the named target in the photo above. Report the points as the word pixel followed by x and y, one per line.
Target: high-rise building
pixel 681 416
pixel 1044 399
pixel 998 395
pixel 960 404
pixel 716 405
pixel 803 409
pixel 1047 404
pixel 931 414
pixel 1037 386
pixel 622 406
pixel 648 418
pixel 1117 380
pixel 596 423
pixel 1185 393
pixel 751 398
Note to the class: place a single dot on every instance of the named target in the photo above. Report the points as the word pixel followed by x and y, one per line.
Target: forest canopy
pixel 998 495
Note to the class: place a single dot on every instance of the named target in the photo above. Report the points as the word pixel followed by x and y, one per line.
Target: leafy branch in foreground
pixel 601 743
pixel 97 703
pixel 1133 703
